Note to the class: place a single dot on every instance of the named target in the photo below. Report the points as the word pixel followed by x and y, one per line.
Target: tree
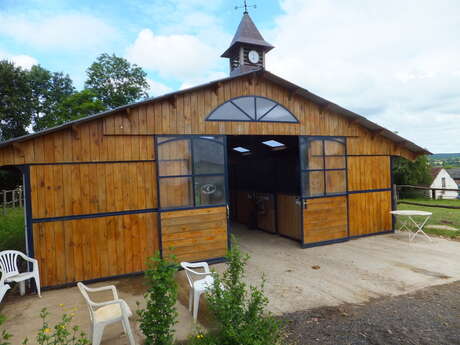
pixel 15 94
pixel 48 92
pixel 73 107
pixel 415 173
pixel 115 81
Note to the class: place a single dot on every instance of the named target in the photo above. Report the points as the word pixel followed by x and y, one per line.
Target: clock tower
pixel 248 48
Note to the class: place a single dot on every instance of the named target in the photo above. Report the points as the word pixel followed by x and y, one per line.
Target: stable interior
pixel 264 184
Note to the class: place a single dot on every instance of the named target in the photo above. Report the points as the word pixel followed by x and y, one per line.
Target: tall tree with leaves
pixel 406 172
pixel 15 94
pixel 49 89
pixel 115 81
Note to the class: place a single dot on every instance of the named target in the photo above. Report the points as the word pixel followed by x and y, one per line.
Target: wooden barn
pixel 174 173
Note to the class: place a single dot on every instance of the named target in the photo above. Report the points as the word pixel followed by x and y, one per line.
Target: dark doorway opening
pixel 264 184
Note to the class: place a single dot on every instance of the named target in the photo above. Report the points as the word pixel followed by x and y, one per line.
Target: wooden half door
pixel 324 189
pixel 192 178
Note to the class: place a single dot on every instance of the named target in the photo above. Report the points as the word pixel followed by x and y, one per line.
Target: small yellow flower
pixel 62 326
pixel 47 330
pixel 72 314
pixel 61 305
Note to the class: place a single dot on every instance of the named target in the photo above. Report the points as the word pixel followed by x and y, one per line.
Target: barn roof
pixel 262 73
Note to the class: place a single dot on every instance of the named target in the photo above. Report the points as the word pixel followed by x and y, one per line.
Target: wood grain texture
pixel 193 235
pixel 369 213
pixel 75 250
pixel 366 172
pixel 108 138
pixel 75 189
pixel 325 219
pixel 288 216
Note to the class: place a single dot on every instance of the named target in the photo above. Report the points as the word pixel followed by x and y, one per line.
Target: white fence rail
pixel 11 198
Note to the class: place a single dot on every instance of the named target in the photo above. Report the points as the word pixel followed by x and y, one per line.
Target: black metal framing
pixel 324 170
pixel 191 138
pixel 250 119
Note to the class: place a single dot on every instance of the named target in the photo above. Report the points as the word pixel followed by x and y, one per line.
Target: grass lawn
pixel 441 216
pixel 454 202
pixel 12 230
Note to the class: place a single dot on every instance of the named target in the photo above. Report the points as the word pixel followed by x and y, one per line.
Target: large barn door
pixel 324 190
pixel 192 179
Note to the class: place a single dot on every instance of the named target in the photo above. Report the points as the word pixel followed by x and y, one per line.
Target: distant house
pixel 442 179
pixel 455 174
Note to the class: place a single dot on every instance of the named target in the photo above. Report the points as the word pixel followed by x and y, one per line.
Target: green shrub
pixel 240 310
pixel 63 333
pixel 12 230
pixel 159 316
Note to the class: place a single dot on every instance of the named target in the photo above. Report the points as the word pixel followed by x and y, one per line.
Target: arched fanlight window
pixel 251 108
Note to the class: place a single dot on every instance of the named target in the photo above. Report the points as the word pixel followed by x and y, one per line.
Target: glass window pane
pixel 174 158
pixel 263 105
pixel 337 162
pixel 335 182
pixel 176 192
pixel 209 190
pixel 333 147
pixel 228 111
pixel 313 183
pixel 312 154
pixel 279 114
pixel 247 104
pixel 208 157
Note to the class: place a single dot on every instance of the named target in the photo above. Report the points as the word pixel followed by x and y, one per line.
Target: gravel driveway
pixel 427 317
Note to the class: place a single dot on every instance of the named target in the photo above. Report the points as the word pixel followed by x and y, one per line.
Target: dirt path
pixel 428 317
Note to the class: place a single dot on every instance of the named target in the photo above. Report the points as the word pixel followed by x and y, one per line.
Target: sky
pixel 396 62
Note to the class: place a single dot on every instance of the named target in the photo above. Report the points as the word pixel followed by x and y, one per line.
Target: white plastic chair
pixel 199 282
pixel 3 287
pixel 105 313
pixel 9 268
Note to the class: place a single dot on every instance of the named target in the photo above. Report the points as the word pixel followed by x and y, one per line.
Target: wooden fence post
pixel 20 196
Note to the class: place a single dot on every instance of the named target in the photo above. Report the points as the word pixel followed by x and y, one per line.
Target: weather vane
pixel 245 6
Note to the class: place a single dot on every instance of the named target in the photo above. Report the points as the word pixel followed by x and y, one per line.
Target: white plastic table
pixel 413 213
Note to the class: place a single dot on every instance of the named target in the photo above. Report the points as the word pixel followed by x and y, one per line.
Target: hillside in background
pixel 447 160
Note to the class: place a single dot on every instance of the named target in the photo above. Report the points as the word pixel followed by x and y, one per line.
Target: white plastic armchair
pixel 10 270
pixel 3 287
pixel 199 282
pixel 105 313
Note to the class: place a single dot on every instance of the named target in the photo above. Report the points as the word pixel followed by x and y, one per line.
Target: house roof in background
pixel 434 172
pixel 454 173
pixel 262 73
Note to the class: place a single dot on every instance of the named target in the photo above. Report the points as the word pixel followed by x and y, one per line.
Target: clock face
pixel 253 56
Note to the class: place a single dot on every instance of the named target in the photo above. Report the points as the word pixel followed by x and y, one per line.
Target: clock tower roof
pixel 247 33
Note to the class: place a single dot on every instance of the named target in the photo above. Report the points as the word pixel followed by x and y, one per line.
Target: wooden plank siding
pixel 289 216
pixel 369 172
pixel 370 213
pixel 84 249
pixel 76 189
pixel 193 235
pixel 110 138
pixel 325 219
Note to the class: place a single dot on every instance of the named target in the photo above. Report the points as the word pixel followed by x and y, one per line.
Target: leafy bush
pixel 240 311
pixel 12 230
pixel 159 316
pixel 63 333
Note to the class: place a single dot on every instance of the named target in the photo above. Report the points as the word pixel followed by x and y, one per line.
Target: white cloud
pixel 72 31
pixel 395 62
pixel 178 56
pixel 203 80
pixel 24 61
pixel 157 89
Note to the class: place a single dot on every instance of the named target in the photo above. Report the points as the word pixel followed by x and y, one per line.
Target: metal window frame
pixel 340 139
pixel 256 118
pixel 193 175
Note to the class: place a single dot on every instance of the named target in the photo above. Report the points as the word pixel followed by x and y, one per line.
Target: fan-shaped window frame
pixel 249 118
